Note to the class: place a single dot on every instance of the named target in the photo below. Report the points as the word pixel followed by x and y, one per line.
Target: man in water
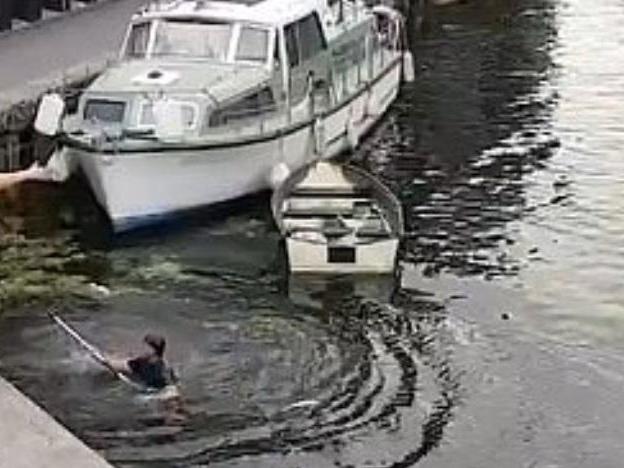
pixel 150 368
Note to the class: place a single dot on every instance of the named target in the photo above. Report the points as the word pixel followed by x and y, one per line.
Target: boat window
pixel 304 39
pixel 253 45
pixel 277 54
pixel 253 105
pixel 188 116
pixel 340 8
pixel 292 44
pixel 102 110
pixel 193 39
pixel 138 40
pixel 146 117
pixel 311 37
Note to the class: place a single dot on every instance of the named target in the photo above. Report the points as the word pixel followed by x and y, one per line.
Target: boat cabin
pixel 286 38
pixel 225 64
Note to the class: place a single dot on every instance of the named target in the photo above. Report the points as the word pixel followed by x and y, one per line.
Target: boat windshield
pixel 253 45
pixel 199 39
pixel 138 41
pixel 193 39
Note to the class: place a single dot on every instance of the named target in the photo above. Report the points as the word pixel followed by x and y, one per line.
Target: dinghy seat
pixel 307 234
pixel 363 208
pixel 336 227
pixel 331 192
pixel 373 228
pixel 317 211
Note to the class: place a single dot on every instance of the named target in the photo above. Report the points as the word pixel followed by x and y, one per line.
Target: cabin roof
pixel 273 12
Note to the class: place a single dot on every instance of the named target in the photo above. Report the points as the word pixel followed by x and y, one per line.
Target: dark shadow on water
pixel 462 139
pixel 255 205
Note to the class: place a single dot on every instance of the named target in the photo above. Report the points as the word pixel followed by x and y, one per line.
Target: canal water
pixel 499 344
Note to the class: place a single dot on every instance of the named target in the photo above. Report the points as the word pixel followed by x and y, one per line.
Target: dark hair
pixel 157 342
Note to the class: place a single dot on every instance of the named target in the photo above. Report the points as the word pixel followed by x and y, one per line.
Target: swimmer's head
pixel 156 342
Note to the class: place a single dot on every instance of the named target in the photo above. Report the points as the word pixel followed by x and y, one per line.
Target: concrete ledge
pixel 30 438
pixel 18 104
pixel 59 51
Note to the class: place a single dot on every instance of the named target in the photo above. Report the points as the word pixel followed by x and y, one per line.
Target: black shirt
pixel 151 370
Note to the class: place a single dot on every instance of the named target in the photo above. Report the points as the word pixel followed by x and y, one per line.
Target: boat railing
pixel 256 120
pixel 348 72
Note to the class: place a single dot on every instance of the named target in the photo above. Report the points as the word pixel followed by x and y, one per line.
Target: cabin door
pixel 279 74
pixel 307 56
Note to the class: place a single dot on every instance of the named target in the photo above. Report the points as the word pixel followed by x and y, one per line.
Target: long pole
pixel 92 350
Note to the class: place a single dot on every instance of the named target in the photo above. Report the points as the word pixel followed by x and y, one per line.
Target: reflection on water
pixel 499 344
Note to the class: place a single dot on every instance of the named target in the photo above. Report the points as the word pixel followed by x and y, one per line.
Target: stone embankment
pixel 30 438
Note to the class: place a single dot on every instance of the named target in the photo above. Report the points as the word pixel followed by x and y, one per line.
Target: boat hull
pixel 137 188
pixel 338 218
pixel 375 257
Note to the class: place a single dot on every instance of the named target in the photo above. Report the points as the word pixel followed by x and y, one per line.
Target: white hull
pixel 338 218
pixel 136 188
pixel 376 257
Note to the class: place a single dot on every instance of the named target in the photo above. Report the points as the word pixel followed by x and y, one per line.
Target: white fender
pixel 320 144
pixel 353 137
pixel 408 67
pixel 278 175
pixel 59 167
pixel 50 114
pixel 373 109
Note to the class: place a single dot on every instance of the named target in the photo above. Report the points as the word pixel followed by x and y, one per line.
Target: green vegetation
pixel 45 271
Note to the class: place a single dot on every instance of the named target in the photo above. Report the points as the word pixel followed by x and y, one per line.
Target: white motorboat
pixel 213 100
pixel 338 219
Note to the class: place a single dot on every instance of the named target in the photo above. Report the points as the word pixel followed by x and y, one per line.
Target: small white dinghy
pixel 338 219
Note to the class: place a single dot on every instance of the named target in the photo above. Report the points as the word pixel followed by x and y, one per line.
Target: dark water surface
pixel 500 345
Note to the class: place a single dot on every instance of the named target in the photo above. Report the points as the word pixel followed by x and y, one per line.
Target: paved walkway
pixel 29 438
pixel 70 46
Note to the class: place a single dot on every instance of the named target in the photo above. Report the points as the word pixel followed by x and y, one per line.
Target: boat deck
pixel 335 217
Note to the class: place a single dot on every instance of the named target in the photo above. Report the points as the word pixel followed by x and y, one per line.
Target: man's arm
pixel 119 364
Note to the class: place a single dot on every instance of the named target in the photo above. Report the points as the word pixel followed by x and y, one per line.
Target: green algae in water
pixel 45 271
